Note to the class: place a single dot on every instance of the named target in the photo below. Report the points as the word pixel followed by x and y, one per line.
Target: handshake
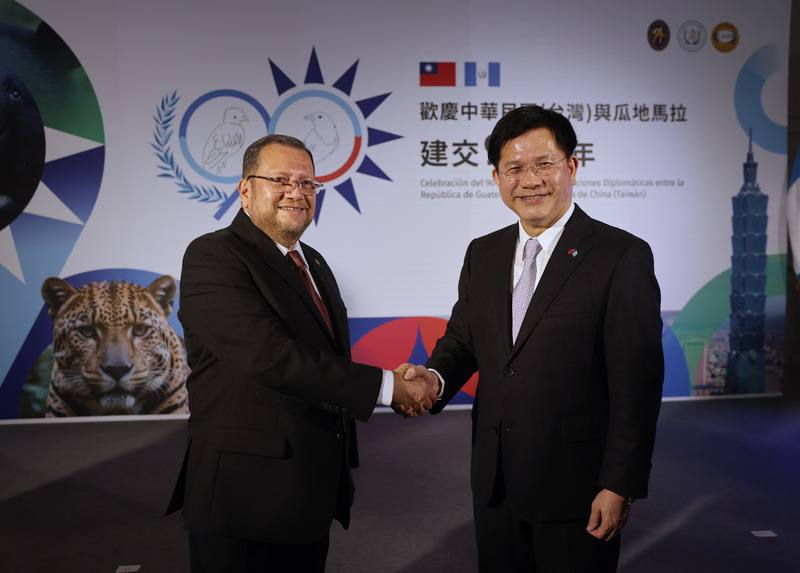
pixel 416 390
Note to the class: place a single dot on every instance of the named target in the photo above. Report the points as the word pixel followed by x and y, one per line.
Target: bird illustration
pixel 22 146
pixel 323 139
pixel 225 140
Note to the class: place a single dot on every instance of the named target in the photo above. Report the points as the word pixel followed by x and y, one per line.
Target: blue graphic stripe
pixel 226 205
pixel 494 74
pixel 470 74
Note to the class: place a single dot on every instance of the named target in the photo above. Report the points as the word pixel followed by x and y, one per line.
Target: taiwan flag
pixel 437 73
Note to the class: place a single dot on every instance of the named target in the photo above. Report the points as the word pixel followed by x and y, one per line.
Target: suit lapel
pixel 326 284
pixel 577 236
pixel 269 253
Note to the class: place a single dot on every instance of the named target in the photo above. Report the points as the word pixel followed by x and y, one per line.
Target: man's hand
pixel 610 512
pixel 415 390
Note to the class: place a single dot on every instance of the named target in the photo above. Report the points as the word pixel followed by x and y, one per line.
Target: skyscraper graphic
pixel 745 372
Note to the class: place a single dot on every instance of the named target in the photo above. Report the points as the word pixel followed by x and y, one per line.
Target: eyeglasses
pixel 540 169
pixel 307 187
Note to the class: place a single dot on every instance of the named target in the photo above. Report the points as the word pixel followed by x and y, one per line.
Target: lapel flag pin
pixel 573 253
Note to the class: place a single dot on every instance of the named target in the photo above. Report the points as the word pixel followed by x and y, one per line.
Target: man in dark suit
pixel 273 393
pixel 560 314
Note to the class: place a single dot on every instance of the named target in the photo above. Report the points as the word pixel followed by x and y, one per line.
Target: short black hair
pixel 250 160
pixel 523 119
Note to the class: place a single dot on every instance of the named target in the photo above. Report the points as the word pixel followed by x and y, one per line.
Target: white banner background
pixel 401 255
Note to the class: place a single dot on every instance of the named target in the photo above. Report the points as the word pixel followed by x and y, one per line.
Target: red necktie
pixel 300 265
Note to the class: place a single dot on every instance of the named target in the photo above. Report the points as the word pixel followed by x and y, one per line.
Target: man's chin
pixel 535 215
pixel 542 215
pixel 283 230
pixel 292 230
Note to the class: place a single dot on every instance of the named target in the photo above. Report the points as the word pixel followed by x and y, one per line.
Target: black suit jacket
pixel 572 405
pixel 272 394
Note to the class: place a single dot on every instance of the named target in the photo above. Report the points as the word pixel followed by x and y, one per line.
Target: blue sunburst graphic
pixel 332 126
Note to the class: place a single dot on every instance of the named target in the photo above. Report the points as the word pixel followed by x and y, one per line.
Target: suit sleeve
pixel 454 356
pixel 230 318
pixel 635 368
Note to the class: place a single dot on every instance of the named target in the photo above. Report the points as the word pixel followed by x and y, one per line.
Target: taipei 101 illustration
pixel 745 371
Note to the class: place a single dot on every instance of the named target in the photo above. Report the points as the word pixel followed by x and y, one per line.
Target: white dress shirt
pixel 387 386
pixel 548 240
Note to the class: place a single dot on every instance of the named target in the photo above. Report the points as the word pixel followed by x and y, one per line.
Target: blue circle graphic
pixel 676 372
pixel 320 94
pixel 747 99
pixel 357 138
pixel 188 115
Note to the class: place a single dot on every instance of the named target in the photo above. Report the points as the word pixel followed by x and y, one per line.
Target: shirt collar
pixel 296 247
pixel 284 251
pixel 548 238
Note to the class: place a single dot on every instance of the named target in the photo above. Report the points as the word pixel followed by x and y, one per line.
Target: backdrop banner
pixel 123 125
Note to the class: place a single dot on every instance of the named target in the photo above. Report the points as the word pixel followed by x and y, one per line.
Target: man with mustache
pixel 273 394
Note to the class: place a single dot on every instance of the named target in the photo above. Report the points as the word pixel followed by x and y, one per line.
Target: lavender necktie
pixel 523 292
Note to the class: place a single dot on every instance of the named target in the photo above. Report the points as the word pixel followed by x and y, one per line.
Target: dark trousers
pixel 509 544
pixel 214 553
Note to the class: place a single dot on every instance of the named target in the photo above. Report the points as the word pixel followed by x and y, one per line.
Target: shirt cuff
pixel 387 389
pixel 441 382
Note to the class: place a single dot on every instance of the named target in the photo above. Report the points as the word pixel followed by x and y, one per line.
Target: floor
pixel 89 497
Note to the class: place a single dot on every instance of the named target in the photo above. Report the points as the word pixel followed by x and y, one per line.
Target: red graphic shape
pixel 347 164
pixel 432 329
pixel 392 343
pixel 388 345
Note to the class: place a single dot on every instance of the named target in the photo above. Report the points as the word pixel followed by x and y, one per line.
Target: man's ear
pixel 244 192
pixel 572 164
